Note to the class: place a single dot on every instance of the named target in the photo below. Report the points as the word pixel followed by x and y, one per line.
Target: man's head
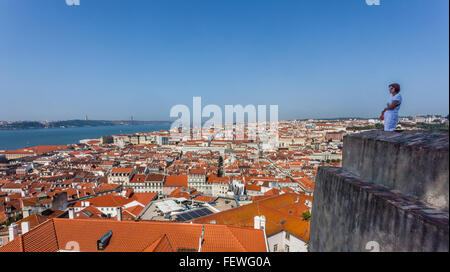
pixel 394 88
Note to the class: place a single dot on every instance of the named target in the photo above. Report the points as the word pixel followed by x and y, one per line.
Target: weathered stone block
pixel 351 214
pixel 414 163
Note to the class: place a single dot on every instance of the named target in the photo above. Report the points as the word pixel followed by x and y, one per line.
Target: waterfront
pixel 15 139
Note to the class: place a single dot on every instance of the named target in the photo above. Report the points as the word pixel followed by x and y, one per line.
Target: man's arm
pixel 394 104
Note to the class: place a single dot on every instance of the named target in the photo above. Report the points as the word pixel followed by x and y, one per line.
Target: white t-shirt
pixel 398 98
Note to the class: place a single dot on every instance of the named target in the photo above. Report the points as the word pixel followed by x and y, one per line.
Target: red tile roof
pixel 197 172
pixel 203 198
pixel 184 191
pixel 129 236
pixel 39 150
pixel 155 177
pixel 89 213
pixel 122 170
pixel 116 200
pixel 37 219
pixel 286 208
pixel 176 181
pixel 138 179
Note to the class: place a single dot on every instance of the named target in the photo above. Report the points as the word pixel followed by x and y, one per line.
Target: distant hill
pixel 73 123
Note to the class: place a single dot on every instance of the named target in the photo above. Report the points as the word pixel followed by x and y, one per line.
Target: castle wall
pixel 370 204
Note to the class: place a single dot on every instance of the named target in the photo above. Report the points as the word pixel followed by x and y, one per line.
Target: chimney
pixel 71 213
pixel 119 213
pixel 25 227
pixel 13 231
pixel 308 203
pixel 263 222
pixel 257 222
pixel 26 213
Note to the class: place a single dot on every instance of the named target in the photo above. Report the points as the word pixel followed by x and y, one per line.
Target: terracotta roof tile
pixel 176 181
pixel 286 208
pixel 129 236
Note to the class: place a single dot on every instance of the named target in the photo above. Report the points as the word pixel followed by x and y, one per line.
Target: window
pixel 275 248
pixel 286 248
pixel 288 236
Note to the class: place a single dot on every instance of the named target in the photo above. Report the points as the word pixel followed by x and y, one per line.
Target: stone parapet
pixel 412 162
pixel 350 214
pixel 390 195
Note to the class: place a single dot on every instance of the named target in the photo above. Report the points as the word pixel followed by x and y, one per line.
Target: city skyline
pixel 315 59
pixel 224 126
pixel 169 120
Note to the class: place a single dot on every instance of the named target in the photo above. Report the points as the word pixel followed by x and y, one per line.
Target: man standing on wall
pixel 390 113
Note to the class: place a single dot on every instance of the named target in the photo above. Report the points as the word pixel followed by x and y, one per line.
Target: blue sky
pixel 111 59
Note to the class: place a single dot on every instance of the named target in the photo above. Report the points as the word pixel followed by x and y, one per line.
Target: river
pixel 15 139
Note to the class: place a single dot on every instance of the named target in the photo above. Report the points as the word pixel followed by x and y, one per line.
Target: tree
pixel 306 216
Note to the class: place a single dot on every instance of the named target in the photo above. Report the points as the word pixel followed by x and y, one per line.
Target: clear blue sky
pixel 111 59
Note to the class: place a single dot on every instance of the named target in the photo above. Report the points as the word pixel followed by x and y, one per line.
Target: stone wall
pixel 412 162
pixel 369 205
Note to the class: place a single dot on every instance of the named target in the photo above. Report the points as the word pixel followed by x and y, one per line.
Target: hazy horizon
pixel 316 59
pixel 170 120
